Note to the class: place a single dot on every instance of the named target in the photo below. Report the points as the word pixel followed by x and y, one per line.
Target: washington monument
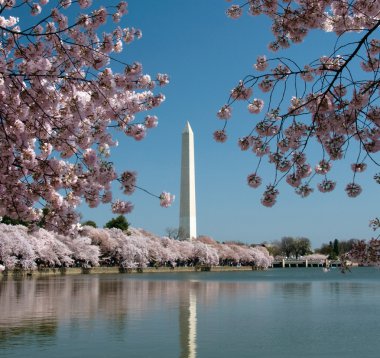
pixel 187 214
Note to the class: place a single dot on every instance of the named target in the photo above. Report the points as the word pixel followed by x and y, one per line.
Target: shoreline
pixel 118 270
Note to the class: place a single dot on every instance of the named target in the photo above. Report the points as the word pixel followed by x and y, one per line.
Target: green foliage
pixel 346 245
pixel 325 249
pixel 287 245
pixel 336 248
pixel 292 246
pixel 119 222
pixel 9 221
pixel 273 248
pixel 90 223
pixel 301 246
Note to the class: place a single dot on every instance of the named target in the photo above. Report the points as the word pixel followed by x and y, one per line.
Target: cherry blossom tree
pixel 366 253
pixel 205 254
pixel 243 254
pixel 261 257
pixel 185 250
pixel 50 251
pixel 316 257
pixel 60 99
pixel 83 251
pixel 16 251
pixel 104 240
pixel 227 255
pixel 21 248
pixel 156 254
pixel 332 102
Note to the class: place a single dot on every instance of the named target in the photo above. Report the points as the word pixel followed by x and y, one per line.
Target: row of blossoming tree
pixel 59 101
pixel 331 102
pixel 133 249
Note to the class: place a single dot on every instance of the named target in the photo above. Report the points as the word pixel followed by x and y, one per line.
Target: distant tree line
pixel 335 249
pixel 294 247
pixel 290 247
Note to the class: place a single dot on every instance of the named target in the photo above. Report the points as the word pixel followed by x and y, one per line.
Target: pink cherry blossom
pixel 353 190
pixel 84 3
pixel 269 196
pixel 293 180
pixel 162 79
pixel 245 143
pixel 304 190
pixel 241 92
pixel 358 167
pixel 323 167
pixel 128 181
pixel 60 100
pixel 220 136
pixel 224 112
pixel 122 207
pixel 303 171
pixel 261 63
pixel 266 84
pixel 35 9
pixel 327 106
pixel 326 186
pixel 253 180
pixel 151 121
pixel 234 12
pixel 256 106
pixel 166 199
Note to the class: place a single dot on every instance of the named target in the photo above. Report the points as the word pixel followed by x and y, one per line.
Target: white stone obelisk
pixel 187 214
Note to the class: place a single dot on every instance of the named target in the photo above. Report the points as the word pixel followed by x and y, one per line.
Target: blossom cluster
pixel 366 253
pixel 134 249
pixel 59 98
pixel 331 102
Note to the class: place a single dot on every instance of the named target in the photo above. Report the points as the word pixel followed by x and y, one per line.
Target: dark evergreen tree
pixel 336 247
pixel 9 221
pixel 119 222
pixel 90 223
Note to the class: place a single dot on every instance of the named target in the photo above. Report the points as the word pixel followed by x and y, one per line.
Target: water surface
pixel 275 313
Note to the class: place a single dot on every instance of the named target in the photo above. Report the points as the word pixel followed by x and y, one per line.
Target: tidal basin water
pixel 275 313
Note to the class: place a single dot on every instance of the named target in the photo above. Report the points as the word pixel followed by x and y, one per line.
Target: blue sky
pixel 205 54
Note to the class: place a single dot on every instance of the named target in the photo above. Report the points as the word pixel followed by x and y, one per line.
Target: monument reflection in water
pixel 276 313
pixel 61 316
pixel 188 325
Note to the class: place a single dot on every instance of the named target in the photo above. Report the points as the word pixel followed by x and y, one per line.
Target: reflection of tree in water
pixel 82 297
pixel 40 332
pixel 336 289
pixel 293 288
pixel 37 306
